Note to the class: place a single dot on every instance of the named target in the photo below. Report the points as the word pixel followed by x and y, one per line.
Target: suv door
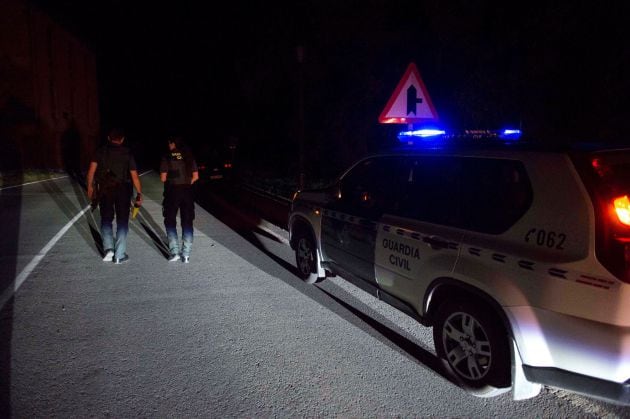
pixel 419 237
pixel 349 224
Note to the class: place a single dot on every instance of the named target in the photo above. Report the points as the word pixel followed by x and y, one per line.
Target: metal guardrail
pixel 266 194
pixel 271 207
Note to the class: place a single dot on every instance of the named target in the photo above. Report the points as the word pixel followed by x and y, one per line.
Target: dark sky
pixel 557 69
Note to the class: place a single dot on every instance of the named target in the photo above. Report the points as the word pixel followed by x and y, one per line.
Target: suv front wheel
pixel 305 258
pixel 474 346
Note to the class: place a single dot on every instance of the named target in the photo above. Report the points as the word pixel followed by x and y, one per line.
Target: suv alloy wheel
pixel 474 345
pixel 305 257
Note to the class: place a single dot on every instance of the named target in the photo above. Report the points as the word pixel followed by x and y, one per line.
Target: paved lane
pixel 232 334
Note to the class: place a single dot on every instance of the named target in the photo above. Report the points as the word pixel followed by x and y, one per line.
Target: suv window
pixel 497 193
pixel 372 185
pixel 480 194
pixel 432 191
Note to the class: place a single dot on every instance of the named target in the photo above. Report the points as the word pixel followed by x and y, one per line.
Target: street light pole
pixel 300 60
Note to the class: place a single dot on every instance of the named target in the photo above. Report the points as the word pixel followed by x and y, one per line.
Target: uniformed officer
pixel 113 168
pixel 178 172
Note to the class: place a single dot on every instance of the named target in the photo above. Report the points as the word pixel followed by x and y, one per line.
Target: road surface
pixel 234 333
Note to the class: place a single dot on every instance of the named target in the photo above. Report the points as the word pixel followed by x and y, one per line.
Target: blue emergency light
pixel 510 134
pixel 421 133
pixel 428 136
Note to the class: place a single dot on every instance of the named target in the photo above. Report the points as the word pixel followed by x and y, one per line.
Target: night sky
pixel 558 70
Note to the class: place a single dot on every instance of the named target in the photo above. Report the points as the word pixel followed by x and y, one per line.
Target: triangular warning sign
pixel 410 102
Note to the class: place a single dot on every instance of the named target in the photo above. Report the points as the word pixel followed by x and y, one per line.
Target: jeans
pixel 179 198
pixel 116 203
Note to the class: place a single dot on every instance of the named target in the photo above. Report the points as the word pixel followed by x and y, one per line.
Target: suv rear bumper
pixel 551 340
pixel 610 391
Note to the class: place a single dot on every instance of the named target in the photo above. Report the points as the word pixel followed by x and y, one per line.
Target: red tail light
pixel 622 208
pixel 606 174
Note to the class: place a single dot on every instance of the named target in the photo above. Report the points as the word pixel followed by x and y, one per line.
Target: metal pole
pixel 300 60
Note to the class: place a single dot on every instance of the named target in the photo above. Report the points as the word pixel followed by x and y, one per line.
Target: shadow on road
pixel 410 348
pixel 214 200
pixel 143 225
pixel 155 232
pixel 10 208
pixel 91 235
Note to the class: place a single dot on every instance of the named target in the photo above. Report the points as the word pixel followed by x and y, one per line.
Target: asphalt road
pixel 234 333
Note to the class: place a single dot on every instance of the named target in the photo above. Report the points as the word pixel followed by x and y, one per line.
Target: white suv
pixel 519 259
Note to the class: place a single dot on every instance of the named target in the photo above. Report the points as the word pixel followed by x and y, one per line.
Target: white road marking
pixel 19 280
pixel 31 183
pixel 53 178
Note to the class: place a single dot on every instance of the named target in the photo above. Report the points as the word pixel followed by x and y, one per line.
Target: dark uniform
pixel 178 196
pixel 114 195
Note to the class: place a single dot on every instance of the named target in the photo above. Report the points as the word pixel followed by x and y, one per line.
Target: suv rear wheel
pixel 475 347
pixel 305 258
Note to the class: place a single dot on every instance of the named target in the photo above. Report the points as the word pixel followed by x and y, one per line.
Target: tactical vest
pixel 113 164
pixel 177 169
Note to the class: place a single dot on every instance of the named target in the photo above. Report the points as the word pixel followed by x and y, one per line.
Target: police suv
pixel 518 258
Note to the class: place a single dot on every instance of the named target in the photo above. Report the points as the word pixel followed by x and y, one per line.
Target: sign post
pixel 300 59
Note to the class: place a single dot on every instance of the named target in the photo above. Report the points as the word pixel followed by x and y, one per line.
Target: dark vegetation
pixel 558 70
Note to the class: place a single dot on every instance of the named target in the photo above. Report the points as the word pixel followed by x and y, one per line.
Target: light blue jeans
pixel 119 245
pixel 173 240
pixel 116 204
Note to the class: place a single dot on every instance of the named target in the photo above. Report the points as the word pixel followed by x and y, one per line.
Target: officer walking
pixel 110 175
pixel 178 172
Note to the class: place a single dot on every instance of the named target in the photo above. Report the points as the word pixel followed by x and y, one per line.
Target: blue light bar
pixel 440 137
pixel 510 134
pixel 421 133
